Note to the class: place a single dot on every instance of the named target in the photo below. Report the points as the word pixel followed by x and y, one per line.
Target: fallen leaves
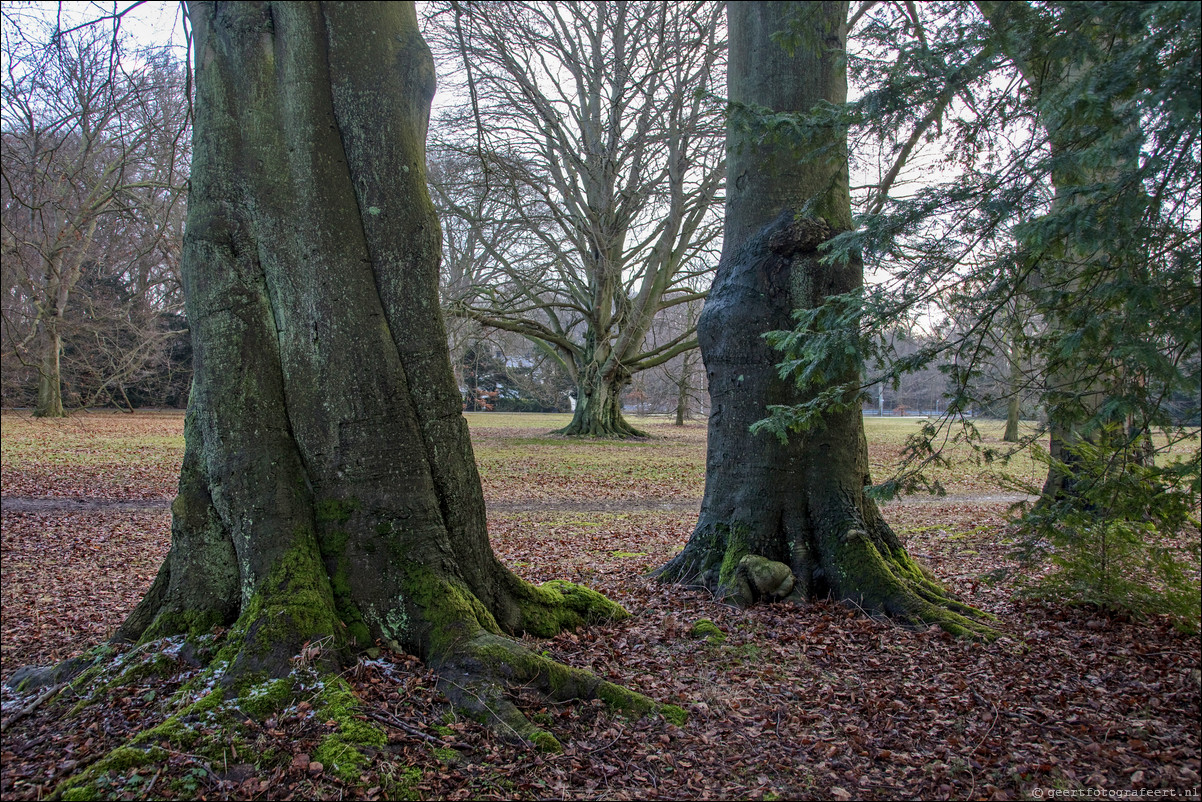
pixel 71 578
pixel 796 702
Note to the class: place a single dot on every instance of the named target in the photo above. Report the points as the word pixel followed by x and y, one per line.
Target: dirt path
pixel 70 505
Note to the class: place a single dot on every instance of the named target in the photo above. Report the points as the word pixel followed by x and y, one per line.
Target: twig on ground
pixel 385 718
pixel 42 698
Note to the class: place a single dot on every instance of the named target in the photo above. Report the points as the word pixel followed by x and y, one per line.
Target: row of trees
pixel 92 301
pixel 92 188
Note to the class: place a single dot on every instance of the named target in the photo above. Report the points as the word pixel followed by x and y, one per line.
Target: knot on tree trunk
pixel 758 578
pixel 799 235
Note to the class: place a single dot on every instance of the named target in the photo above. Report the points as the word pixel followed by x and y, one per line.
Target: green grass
pixel 91 439
pixel 517 455
pixel 517 420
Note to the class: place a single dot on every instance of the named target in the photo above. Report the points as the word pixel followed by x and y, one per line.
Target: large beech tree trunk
pixel 329 493
pixel 800 504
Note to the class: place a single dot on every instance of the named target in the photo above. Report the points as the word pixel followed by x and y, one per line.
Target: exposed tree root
pixel 874 575
pixel 600 415
pixel 41 699
pixel 477 676
pixel 898 586
pixel 615 430
pixel 239 678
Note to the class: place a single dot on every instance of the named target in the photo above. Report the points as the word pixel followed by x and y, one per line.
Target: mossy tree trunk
pixel 329 493
pixel 800 504
pixel 598 410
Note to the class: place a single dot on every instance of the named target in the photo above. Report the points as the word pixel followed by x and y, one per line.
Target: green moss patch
pixel 674 715
pixel 707 629
pixel 555 606
pixel 104 779
pixel 341 752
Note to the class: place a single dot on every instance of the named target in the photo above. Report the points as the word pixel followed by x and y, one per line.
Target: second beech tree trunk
pixel 802 505
pixel 598 411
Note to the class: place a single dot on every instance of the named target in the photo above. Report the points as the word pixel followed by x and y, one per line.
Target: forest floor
pixel 796 702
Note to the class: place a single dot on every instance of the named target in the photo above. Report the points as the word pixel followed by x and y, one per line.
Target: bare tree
pixel 93 173
pixel 594 136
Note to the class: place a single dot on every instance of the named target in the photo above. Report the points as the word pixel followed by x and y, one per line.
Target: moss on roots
pixel 895 584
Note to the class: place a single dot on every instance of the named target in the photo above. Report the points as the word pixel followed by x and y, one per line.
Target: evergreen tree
pixel 1069 188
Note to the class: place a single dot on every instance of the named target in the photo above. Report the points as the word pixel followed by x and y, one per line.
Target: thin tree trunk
pixel 684 388
pixel 50 381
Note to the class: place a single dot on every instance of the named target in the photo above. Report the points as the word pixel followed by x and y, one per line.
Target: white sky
pixel 149 24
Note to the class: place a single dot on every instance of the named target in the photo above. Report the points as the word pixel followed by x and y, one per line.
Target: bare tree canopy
pixel 92 184
pixel 581 175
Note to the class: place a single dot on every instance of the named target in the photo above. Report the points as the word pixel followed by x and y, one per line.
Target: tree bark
pixel 50 374
pixel 329 493
pixel 598 410
pixel 799 504
pixel 1012 418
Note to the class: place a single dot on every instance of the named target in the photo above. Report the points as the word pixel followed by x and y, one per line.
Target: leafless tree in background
pixel 92 189
pixel 593 202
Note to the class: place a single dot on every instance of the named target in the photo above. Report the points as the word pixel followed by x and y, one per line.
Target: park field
pixel 814 701
pixel 136 457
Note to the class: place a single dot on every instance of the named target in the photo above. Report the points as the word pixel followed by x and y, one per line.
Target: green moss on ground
pixel 341 752
pixel 400 785
pixel 674 715
pixel 707 629
pixel 445 754
pixel 546 742
pixel 101 779
pixel 260 700
pixel 211 714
